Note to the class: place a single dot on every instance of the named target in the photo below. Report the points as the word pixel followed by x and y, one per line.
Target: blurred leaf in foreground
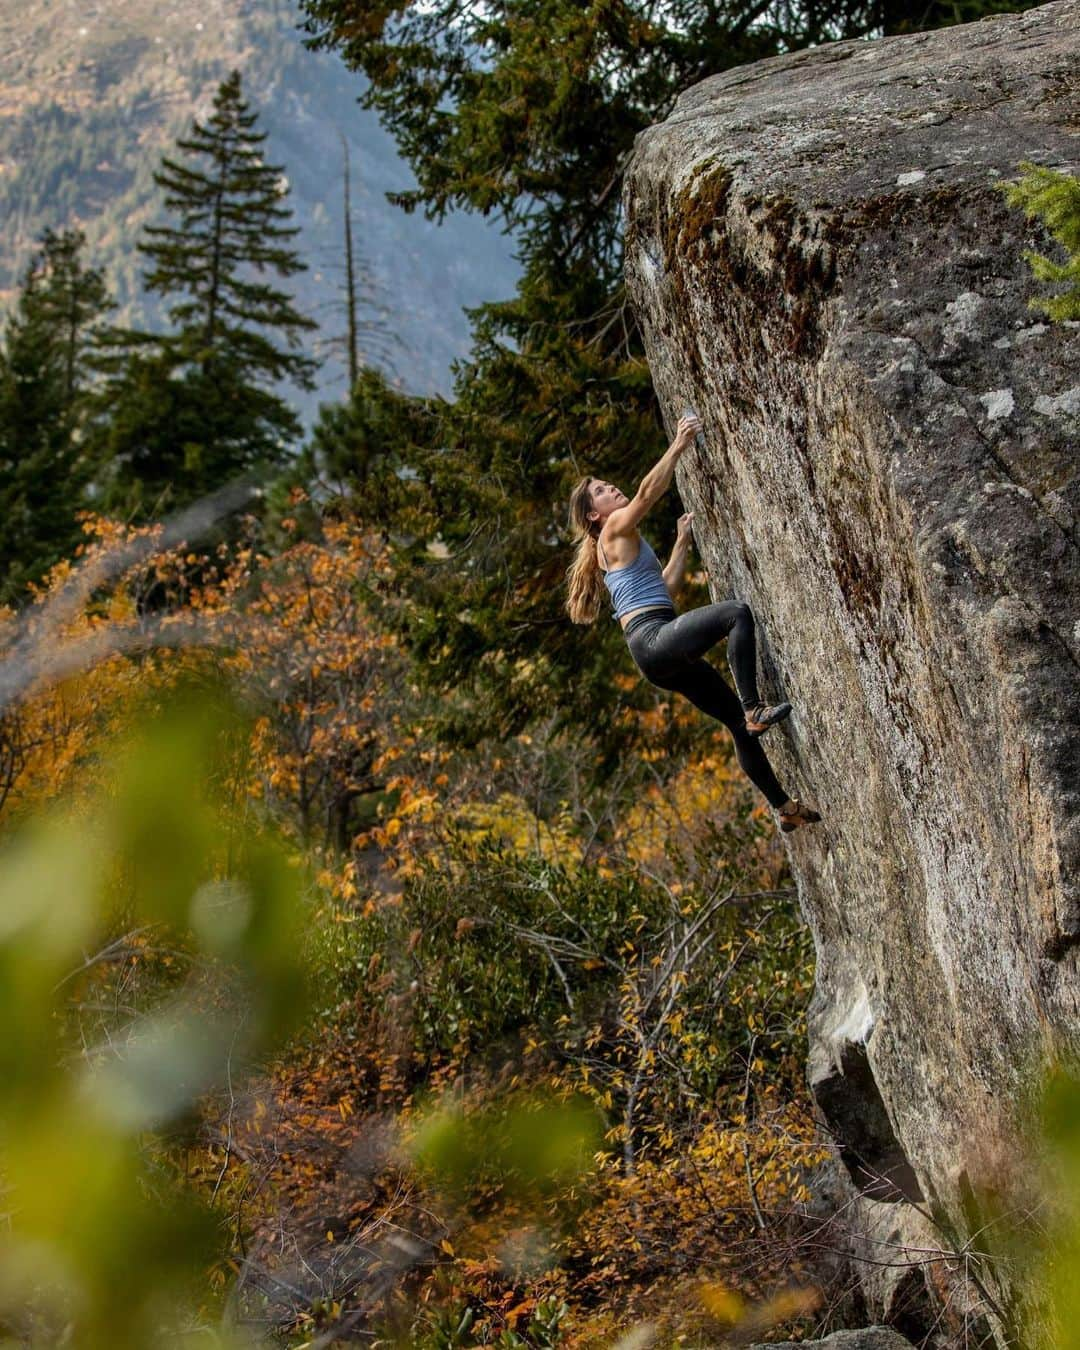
pixel 103 1245
pixel 531 1147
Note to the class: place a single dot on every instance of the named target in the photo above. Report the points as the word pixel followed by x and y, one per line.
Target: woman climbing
pixel 668 650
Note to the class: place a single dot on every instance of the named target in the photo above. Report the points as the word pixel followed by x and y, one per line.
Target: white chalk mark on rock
pixel 1067 402
pixel 998 403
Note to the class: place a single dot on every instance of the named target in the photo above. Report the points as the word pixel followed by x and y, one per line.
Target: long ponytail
pixel 585 582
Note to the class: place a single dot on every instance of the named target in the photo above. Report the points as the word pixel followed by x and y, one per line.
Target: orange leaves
pixel 687 1207
pixel 292 632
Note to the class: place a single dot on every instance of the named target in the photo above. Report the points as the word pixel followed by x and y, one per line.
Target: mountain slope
pixel 91 94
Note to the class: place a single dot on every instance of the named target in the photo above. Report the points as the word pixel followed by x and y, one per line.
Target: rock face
pixel 823 267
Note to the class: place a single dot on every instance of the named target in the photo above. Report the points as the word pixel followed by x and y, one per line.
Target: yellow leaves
pixel 515 1314
pixel 512 821
pixel 731 1309
pixel 677 815
pixel 723 1304
pixel 416 803
pixel 119 608
pixel 284 778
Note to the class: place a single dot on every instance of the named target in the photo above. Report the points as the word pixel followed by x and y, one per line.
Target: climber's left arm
pixel 675 571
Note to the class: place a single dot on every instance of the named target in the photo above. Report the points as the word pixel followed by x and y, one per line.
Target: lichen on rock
pixel 823 265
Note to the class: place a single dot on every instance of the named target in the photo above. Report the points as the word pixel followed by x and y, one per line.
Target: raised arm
pixel 675 571
pixel 656 482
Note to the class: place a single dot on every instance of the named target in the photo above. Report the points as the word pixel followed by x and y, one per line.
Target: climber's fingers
pixel 688 428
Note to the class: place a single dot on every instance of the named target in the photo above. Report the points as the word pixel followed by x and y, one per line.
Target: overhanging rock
pixel 823 266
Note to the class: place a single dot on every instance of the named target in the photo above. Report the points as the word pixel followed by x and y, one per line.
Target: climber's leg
pixel 707 689
pixel 692 634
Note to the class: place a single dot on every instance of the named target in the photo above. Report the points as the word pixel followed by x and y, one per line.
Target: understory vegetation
pixel 539 1033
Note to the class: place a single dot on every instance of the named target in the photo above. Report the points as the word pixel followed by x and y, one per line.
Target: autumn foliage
pixel 504 943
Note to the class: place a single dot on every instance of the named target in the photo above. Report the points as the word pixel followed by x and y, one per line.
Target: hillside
pixel 91 94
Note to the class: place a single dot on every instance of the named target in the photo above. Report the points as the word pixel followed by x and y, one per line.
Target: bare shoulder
pixel 626 519
pixel 622 523
pixel 620 546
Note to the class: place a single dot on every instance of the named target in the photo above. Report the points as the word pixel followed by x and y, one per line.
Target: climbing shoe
pixel 801 814
pixel 763 715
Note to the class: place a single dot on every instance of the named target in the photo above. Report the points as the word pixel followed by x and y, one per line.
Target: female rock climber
pixel 668 650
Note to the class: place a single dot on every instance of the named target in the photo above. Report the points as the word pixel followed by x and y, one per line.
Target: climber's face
pixel 605 498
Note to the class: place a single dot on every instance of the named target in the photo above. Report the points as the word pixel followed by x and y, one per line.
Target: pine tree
pixel 187 410
pixel 44 374
pixel 1054 198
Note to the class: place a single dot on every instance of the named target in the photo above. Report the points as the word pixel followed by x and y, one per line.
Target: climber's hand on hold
pixel 688 428
pixel 675 571
pixel 624 520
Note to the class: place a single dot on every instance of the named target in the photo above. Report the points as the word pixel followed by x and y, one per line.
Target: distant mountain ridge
pixel 92 92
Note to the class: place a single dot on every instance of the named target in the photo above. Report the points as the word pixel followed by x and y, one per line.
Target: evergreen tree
pixel 44 370
pixel 1054 198
pixel 369 446
pixel 185 411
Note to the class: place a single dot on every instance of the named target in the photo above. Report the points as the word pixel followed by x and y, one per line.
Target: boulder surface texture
pixel 824 267
pixel 866 1338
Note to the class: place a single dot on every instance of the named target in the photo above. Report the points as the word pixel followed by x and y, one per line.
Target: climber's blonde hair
pixel 584 580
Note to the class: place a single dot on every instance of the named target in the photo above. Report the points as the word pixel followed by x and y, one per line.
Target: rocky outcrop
pixel 823 266
pixel 866 1338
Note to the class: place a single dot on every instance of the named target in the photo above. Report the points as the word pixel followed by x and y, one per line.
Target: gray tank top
pixel 638 586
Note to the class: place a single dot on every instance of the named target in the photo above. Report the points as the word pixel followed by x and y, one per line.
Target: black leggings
pixel 668 651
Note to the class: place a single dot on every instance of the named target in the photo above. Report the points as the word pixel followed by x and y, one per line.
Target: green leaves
pixel 1054 198
pixel 529 1145
pixel 151 871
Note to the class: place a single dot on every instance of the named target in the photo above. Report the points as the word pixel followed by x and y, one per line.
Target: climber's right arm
pixel 656 482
